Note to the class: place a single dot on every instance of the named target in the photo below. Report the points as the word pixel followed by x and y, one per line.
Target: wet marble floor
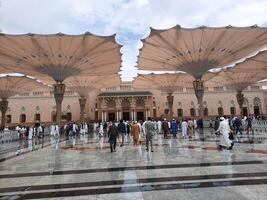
pixel 177 169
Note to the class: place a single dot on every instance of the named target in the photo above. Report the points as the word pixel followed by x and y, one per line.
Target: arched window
pixel 245 107
pixel 180 112
pixel 257 106
pixel 69 116
pixel 192 109
pixel 22 118
pixel 8 119
pixel 166 111
pixel 232 110
pixel 220 111
pixel 192 112
pixel 206 111
pixel 54 116
pixel 37 117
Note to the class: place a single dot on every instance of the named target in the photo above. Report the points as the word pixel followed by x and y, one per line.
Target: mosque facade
pixel 126 103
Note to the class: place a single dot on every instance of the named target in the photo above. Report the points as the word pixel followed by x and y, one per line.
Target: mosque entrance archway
pixel 126 116
pixel 111 116
pixel 140 116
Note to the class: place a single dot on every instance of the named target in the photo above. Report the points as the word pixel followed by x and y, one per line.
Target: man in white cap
pixel 224 129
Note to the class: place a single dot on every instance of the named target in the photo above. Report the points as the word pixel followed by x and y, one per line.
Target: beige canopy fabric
pixel 197 50
pixel 261 83
pixel 12 85
pixel 168 83
pixel 56 57
pixel 234 80
pixel 254 64
pixel 85 84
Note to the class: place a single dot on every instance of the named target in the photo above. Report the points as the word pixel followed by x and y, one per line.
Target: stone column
pixel 3 107
pixel 240 101
pixel 58 90
pixel 82 101
pixel 170 98
pixel 105 116
pixel 102 116
pixel 117 115
pixel 199 92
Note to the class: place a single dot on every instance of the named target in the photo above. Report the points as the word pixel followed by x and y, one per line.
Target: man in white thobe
pixel 184 128
pixel 159 126
pixel 224 129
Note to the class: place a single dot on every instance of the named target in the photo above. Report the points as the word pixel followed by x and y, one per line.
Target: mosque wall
pixel 185 100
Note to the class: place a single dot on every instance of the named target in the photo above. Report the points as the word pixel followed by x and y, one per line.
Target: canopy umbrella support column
pixel 58 90
pixel 3 107
pixel 170 98
pixel 82 102
pixel 199 92
pixel 240 101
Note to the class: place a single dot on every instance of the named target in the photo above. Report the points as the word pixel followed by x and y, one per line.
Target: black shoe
pixel 220 147
pixel 152 151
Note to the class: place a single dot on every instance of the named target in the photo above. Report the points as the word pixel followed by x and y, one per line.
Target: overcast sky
pixel 130 19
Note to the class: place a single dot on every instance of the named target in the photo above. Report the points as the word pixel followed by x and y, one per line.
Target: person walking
pixel 165 128
pixel 190 127
pixel 150 131
pixel 159 126
pixel 101 130
pixel 174 128
pixel 122 131
pixel 216 124
pixel 135 133
pixel 238 125
pixel 224 129
pixel 249 125
pixel 113 133
pixel 184 128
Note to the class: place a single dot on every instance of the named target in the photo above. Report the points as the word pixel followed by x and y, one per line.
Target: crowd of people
pixel 228 128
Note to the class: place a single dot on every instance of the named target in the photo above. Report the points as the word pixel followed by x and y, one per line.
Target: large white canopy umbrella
pixel 12 85
pixel 197 50
pixel 83 85
pixel 237 81
pixel 166 82
pixel 53 58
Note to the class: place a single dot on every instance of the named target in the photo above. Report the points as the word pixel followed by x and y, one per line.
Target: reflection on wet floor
pixel 83 167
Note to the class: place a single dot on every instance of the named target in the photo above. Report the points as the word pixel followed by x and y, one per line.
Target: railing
pixel 9 141
pixel 12 135
pixel 259 125
pixel 8 136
